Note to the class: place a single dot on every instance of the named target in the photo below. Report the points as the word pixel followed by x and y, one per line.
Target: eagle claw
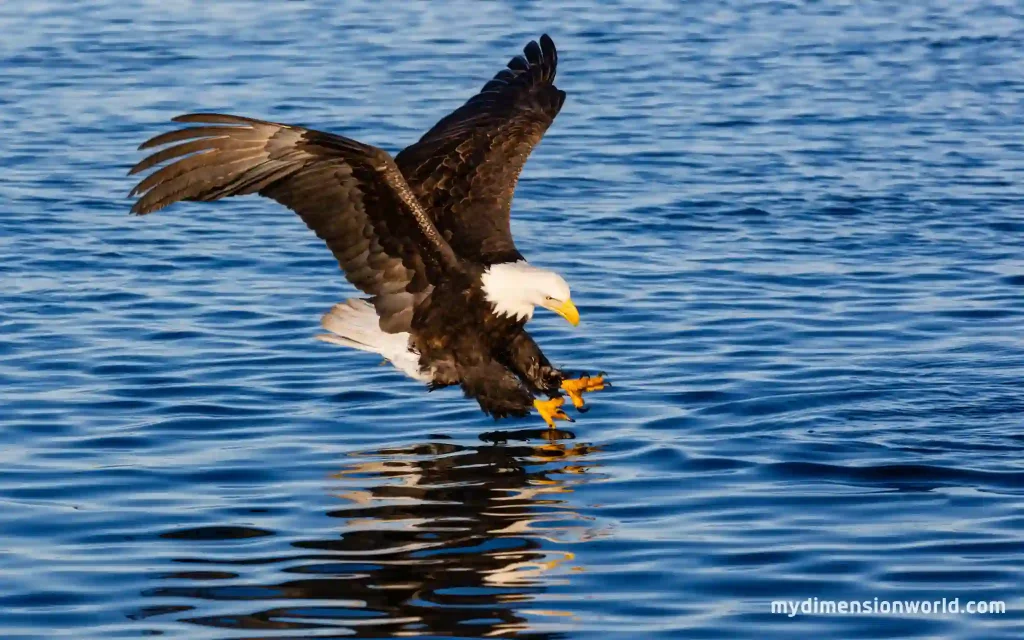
pixel 551 410
pixel 576 388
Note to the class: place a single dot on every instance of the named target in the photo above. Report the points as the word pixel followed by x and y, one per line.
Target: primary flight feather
pixel 425 234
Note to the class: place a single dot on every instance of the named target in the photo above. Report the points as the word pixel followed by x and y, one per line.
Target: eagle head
pixel 514 289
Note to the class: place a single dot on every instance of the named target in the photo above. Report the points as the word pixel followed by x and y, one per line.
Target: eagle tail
pixel 354 323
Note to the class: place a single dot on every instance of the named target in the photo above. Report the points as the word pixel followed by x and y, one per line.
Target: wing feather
pixel 351 195
pixel 465 169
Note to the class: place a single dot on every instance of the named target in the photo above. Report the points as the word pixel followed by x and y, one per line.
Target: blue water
pixel 794 231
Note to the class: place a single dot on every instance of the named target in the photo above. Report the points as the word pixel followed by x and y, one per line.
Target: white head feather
pixel 516 288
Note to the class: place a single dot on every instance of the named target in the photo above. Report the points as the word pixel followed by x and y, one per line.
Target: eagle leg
pixel 577 387
pixel 551 410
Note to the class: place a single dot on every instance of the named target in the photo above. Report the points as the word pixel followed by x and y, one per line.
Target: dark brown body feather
pixel 414 232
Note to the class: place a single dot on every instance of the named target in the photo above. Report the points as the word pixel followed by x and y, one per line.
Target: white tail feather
pixel 354 324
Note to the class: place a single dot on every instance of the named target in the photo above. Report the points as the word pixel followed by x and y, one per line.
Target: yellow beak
pixel 568 311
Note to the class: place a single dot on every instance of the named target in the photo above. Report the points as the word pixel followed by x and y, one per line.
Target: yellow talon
pixel 576 388
pixel 550 410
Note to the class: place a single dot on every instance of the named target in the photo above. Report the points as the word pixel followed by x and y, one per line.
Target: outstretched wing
pixel 350 194
pixel 465 169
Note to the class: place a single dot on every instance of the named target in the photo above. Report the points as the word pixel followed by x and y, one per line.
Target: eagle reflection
pixel 435 539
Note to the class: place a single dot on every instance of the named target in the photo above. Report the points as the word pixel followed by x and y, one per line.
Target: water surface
pixel 794 231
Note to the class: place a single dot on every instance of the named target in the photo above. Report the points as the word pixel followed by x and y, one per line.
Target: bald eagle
pixel 424 234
